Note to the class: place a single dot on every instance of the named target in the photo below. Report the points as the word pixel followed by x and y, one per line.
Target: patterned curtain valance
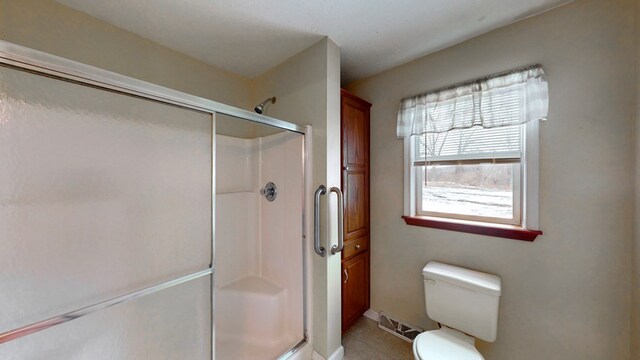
pixel 510 98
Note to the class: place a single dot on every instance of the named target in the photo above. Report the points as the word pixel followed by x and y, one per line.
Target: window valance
pixel 510 98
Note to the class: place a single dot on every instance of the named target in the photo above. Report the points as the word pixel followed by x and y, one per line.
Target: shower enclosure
pixel 259 252
pixel 138 222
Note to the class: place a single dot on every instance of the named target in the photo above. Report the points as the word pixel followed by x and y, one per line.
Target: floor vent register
pixel 398 328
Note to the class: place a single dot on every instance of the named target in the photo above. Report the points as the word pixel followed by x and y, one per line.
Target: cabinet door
pixel 355 167
pixel 355 126
pixel 355 288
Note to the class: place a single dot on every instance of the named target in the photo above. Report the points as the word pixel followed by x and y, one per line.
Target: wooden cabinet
pixel 355 186
pixel 355 288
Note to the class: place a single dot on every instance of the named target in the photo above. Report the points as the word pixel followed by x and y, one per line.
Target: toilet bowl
pixel 445 344
pixel 465 303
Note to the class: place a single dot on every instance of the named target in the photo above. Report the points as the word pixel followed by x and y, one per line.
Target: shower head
pixel 260 107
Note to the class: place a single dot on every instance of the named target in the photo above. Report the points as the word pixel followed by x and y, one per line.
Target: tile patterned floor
pixel 365 341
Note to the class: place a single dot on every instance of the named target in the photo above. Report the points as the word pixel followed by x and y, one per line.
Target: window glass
pixel 483 190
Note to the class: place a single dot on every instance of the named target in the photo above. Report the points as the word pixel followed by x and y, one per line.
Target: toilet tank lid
pixel 470 279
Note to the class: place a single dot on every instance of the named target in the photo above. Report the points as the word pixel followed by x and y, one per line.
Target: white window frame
pixel 525 198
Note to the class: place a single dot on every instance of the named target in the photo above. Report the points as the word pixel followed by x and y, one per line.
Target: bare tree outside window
pixel 461 174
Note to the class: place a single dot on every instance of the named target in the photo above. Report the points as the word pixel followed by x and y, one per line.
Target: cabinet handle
pixel 357 246
pixel 346 274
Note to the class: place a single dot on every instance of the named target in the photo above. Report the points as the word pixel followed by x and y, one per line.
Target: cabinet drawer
pixel 354 247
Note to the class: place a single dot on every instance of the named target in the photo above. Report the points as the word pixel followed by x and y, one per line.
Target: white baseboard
pixel 337 355
pixel 373 315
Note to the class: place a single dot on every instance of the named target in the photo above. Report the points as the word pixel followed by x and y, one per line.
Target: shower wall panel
pixel 259 259
pixel 281 231
pixel 236 164
pixel 237 210
pixel 101 194
pixel 238 254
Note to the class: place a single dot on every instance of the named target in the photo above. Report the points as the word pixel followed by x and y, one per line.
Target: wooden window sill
pixel 473 227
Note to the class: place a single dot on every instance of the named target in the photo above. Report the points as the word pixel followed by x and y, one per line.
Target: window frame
pixel 527 228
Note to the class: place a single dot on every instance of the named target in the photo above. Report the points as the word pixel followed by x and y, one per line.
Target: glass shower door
pixel 102 194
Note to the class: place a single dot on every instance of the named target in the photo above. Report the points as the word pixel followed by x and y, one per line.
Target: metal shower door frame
pixel 44 64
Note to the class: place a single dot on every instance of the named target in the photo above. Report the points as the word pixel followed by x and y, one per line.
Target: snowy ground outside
pixel 467 200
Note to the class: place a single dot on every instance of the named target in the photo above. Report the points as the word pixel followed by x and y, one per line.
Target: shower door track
pixel 41 63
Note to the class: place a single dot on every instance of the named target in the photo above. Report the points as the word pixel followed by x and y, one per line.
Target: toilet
pixel 465 304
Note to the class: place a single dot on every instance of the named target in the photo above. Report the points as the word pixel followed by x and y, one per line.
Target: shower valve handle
pixel 270 191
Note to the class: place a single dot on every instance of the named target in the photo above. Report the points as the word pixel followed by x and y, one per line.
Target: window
pixel 470 174
pixel 472 154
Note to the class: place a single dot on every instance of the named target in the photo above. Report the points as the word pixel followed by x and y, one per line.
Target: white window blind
pixel 506 99
pixel 494 144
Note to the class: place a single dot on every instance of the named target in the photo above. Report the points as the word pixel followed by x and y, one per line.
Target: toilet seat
pixel 445 344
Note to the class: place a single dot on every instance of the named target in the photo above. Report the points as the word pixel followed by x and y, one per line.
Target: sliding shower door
pixel 102 194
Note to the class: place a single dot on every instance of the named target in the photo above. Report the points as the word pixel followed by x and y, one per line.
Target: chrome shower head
pixel 260 107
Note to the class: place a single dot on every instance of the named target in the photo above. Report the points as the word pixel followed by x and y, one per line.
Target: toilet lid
pixel 442 345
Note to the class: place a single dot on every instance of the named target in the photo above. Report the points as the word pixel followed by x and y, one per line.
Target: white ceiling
pixel 249 37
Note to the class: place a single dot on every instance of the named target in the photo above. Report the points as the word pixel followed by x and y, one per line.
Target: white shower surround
pixel 258 251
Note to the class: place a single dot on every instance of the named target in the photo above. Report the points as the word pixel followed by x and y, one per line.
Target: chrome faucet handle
pixel 270 191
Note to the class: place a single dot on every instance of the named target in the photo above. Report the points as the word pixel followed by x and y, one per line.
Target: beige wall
pixel 567 295
pixel 48 26
pixel 307 87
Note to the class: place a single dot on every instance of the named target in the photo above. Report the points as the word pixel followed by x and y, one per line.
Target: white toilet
pixel 465 303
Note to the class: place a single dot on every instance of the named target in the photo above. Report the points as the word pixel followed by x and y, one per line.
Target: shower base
pixel 239 349
pixel 252 325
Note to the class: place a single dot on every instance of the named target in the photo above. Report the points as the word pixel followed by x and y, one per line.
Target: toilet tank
pixel 463 299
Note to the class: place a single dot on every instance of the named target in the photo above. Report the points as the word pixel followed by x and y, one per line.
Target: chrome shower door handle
pixel 316 221
pixel 337 248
